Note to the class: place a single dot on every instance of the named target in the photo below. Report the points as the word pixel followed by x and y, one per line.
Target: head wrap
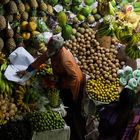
pixel 55 43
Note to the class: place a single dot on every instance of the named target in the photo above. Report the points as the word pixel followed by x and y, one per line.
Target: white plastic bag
pixel 20 59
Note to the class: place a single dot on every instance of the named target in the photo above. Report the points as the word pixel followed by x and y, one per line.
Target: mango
pixel 62 18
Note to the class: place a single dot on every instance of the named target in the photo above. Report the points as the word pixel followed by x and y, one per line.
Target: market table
pixel 58 134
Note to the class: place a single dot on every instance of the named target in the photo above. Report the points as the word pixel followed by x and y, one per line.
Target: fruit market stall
pixel 103 36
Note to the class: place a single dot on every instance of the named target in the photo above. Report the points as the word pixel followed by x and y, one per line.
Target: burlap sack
pixel 104 41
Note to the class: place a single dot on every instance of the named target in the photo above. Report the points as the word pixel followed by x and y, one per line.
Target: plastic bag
pixel 132 83
pixel 123 81
pixel 41 25
pixel 136 74
pixel 128 70
pixel 121 73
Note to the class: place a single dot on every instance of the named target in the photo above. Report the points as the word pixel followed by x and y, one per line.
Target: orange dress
pixel 65 68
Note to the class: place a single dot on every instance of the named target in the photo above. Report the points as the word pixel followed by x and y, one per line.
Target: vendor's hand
pixel 21 73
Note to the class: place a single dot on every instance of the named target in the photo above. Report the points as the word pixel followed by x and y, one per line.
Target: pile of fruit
pixel 8 109
pixel 94 60
pixel 81 23
pixel 45 69
pixel 101 91
pixel 42 121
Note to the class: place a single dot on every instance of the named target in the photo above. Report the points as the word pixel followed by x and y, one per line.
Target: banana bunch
pixel 133 51
pixel 106 30
pixel 111 9
pixel 124 34
pixel 20 94
pixel 103 6
pixel 5 85
pixel 133 40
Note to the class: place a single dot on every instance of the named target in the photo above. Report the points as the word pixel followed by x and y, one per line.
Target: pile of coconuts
pixel 94 60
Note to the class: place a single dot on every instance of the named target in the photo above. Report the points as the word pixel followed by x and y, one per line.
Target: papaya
pixel 62 18
pixel 66 32
pixel 81 17
pixel 86 10
pixel 89 2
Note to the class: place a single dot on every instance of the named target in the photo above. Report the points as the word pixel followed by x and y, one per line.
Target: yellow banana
pixel 19 92
pixel 23 89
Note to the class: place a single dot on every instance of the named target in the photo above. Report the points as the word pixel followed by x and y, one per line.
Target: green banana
pixel 3 66
pixel 133 40
pixel 111 9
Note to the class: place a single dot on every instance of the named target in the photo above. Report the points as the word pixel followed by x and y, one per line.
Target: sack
pixel 137 132
pixel 92 128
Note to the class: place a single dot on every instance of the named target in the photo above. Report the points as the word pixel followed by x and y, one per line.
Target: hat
pixel 55 42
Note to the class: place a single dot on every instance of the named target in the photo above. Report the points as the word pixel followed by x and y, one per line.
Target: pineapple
pixel 12 7
pixel 42 6
pixel 2 22
pixel 10 44
pixel 24 16
pixel 21 7
pixel 49 9
pixel 33 4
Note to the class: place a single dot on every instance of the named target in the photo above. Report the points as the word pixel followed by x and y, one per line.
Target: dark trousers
pixel 73 118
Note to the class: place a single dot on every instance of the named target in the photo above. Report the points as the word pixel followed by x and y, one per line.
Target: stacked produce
pixel 129 78
pixel 23 21
pixel 96 61
pixel 8 109
pixel 101 91
pixel 21 91
pixel 42 121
